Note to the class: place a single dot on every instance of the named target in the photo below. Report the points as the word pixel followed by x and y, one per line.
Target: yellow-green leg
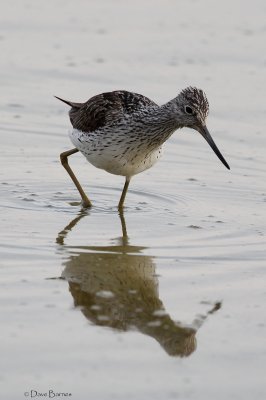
pixel 64 161
pixel 123 195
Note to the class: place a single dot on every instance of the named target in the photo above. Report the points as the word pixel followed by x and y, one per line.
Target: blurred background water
pixel 168 300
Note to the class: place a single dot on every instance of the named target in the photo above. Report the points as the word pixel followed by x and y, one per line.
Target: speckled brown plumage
pixel 123 132
pixel 104 107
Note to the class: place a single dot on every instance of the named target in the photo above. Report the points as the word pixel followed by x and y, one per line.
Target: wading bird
pixel 123 132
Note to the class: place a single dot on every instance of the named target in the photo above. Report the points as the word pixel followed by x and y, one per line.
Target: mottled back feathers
pixel 103 108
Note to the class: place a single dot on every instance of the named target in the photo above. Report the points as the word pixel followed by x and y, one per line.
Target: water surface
pixel 167 300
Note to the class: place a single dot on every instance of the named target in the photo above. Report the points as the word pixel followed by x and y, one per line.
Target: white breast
pixel 108 153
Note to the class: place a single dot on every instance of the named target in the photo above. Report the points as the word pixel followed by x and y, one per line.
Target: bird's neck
pixel 160 122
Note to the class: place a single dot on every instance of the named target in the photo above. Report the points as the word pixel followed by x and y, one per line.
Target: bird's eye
pixel 188 110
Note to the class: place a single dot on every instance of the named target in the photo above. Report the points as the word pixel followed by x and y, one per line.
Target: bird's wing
pixel 104 108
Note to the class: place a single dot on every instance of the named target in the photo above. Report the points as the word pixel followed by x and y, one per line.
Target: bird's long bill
pixel 206 134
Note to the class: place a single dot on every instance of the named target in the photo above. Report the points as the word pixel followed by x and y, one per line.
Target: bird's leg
pixel 123 224
pixel 64 161
pixel 123 195
pixel 63 234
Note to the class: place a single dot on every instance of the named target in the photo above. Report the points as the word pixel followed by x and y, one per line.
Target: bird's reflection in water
pixel 117 287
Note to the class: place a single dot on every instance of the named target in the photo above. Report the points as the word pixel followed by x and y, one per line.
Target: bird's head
pixel 193 109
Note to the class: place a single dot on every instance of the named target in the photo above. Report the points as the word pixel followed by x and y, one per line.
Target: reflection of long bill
pixel 116 286
pixel 206 134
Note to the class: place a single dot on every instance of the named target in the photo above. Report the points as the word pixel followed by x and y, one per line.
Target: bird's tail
pixel 70 103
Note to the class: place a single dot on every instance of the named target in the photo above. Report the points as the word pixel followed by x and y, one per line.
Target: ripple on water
pixel 169 222
pixel 138 201
pixel 32 196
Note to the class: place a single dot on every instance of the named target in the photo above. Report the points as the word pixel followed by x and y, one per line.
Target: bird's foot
pixel 86 203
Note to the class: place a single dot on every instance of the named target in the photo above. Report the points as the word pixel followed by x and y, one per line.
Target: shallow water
pixel 166 301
